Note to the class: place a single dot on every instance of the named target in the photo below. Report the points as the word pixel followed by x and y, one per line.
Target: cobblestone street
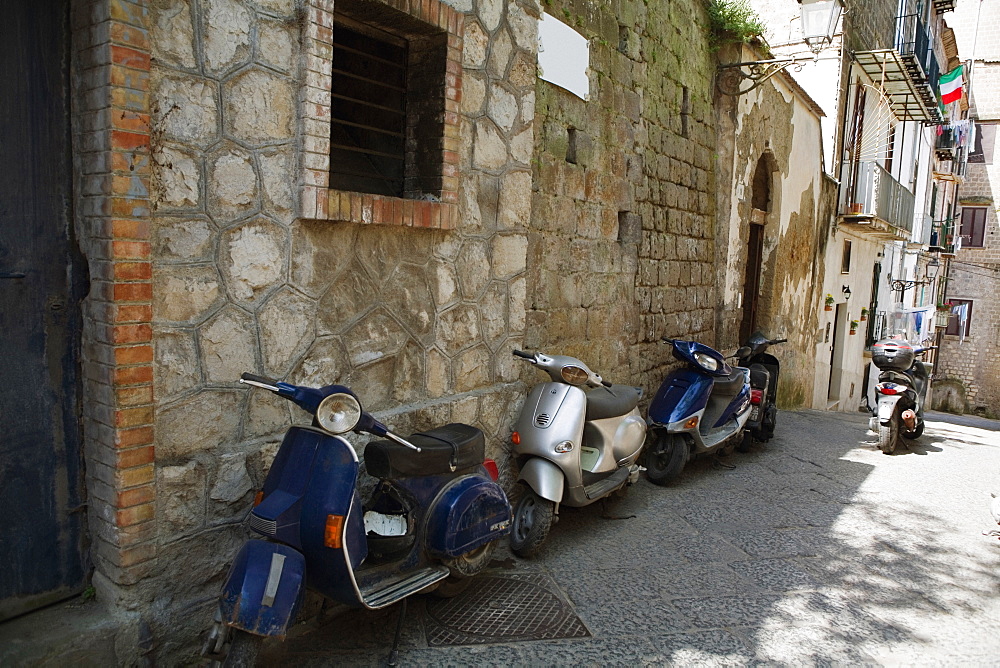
pixel 814 549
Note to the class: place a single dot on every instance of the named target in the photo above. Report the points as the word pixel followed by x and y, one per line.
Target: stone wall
pixel 228 253
pixel 621 249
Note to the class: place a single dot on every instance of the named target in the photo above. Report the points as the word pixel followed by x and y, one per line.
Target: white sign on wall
pixel 563 56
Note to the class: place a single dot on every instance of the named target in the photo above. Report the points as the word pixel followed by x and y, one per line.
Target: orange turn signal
pixel 515 438
pixel 258 497
pixel 334 529
pixel 691 423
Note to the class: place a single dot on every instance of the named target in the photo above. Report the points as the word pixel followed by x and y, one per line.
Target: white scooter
pixel 577 440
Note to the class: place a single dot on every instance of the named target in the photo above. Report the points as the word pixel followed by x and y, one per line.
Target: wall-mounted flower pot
pixel 828 307
pixel 864 317
pixel 853 332
pixel 856 207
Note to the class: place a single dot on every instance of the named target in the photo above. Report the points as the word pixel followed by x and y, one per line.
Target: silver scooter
pixel 577 440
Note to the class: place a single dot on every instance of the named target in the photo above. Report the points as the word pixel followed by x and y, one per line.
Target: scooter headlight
pixel 574 375
pixel 339 413
pixel 706 362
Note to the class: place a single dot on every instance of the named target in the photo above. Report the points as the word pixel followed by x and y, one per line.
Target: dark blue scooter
pixel 698 409
pixel 432 520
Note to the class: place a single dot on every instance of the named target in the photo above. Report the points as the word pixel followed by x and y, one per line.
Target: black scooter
pixel 764 368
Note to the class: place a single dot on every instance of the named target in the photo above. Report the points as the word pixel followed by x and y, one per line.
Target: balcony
pixel 874 201
pixel 942 6
pixel 942 239
pixel 907 86
pixel 913 43
pixel 946 145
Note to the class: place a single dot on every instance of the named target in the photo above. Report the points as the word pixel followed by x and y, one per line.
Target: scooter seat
pixel 608 402
pixel 453 447
pixel 730 386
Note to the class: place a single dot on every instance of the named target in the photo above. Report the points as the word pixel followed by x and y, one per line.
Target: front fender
pixel 886 407
pixel 544 477
pixel 264 588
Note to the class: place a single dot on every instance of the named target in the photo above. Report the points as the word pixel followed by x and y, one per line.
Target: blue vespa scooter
pixel 431 522
pixel 699 409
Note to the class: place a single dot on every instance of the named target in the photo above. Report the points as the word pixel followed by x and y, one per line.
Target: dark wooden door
pixel 751 282
pixel 41 490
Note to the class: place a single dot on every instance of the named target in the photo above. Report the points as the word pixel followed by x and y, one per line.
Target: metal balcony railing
pixel 946 144
pixel 913 42
pixel 872 191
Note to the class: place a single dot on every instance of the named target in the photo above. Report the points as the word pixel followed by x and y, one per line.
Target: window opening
pixel 954 322
pixel 387 106
pixel 845 260
pixel 973 226
pixel 368 109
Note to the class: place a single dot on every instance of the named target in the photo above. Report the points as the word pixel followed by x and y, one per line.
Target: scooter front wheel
pixel 533 517
pixel 666 459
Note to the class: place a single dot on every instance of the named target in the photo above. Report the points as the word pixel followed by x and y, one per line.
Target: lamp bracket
pixel 732 78
pixel 902 286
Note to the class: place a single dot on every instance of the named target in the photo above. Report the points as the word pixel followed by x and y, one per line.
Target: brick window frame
pixel 317 199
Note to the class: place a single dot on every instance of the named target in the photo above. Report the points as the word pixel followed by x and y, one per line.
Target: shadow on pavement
pixel 812 549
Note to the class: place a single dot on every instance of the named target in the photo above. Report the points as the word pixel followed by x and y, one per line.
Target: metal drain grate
pixel 503 609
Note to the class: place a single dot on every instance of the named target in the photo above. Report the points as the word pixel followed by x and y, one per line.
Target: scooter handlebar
pixel 777 341
pixel 259 381
pixel 521 353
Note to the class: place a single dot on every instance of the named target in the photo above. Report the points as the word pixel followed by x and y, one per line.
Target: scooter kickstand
pixel 393 659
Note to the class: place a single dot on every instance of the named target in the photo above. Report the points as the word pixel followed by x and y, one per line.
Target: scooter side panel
pixel 738 408
pixel 469 513
pixel 264 589
pixel 544 477
pixel 553 413
pixel 683 393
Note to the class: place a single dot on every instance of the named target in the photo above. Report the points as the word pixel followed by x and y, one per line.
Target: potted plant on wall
pixel 854 327
pixel 828 302
pixel 864 314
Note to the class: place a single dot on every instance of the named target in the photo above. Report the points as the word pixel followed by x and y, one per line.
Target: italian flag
pixel 951 85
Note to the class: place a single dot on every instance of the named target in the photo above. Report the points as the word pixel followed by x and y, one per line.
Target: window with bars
pixel 368 109
pixel 387 102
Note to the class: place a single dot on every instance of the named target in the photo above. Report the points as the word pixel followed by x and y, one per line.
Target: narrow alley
pixel 811 550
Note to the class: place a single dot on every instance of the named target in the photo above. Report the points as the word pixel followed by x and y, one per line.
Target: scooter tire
pixel 532 521
pixel 666 459
pixel 244 649
pixel 916 433
pixel 472 562
pixel 888 434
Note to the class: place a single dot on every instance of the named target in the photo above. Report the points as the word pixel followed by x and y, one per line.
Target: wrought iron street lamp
pixel 819 20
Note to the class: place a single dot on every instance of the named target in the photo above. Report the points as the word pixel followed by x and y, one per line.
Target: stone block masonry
pixel 622 225
pixel 111 136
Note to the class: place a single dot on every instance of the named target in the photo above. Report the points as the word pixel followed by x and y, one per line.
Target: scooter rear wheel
pixel 666 459
pixel 888 434
pixel 532 521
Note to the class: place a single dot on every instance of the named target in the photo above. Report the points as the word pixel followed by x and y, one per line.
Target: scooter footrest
pixel 397 590
pixel 602 487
